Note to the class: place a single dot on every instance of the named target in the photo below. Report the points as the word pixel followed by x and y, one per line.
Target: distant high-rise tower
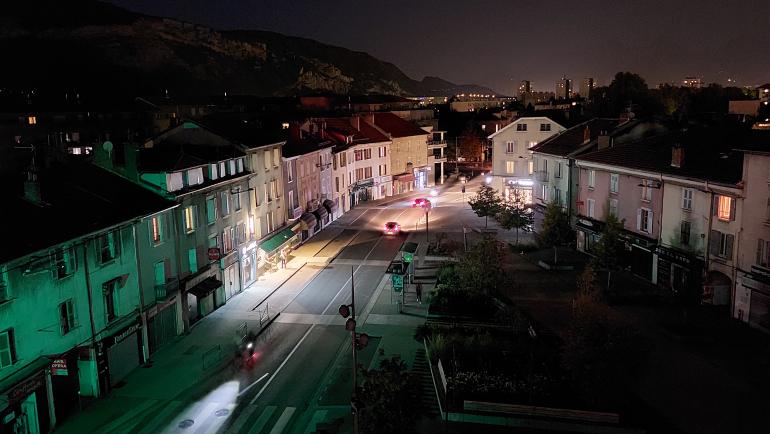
pixel 525 87
pixel 693 82
pixel 586 87
pixel 564 88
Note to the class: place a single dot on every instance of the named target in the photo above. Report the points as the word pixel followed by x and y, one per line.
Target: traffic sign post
pixel 398 282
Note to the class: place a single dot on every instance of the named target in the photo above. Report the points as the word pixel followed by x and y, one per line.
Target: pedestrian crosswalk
pixel 208 417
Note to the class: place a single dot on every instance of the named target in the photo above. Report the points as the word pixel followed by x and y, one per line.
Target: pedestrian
pixel 283 258
pixel 418 290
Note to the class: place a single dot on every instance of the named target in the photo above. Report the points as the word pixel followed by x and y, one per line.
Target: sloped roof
pixel 396 126
pixel 184 146
pixel 300 146
pixel 80 199
pixel 708 155
pixel 569 140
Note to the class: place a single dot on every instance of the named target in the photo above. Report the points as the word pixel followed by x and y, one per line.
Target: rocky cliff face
pixel 87 44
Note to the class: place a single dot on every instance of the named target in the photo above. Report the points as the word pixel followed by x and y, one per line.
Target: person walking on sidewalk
pixel 283 258
pixel 418 291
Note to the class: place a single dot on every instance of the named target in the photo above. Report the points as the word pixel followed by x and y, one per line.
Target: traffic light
pixel 350 324
pixel 344 310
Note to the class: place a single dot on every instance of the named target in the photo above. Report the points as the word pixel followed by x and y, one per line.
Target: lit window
pixel 724 208
pixel 531 165
pixel 644 220
pixel 510 166
pixel 190 214
pixel 32 120
pixel 591 179
pixel 156 230
pixel 64 262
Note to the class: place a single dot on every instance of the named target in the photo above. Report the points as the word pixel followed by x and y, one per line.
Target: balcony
pixel 436 144
pixel 541 176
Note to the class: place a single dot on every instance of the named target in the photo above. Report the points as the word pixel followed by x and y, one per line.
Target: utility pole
pixel 358 341
pixel 427 212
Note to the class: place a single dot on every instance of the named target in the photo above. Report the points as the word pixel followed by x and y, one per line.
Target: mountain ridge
pixel 88 44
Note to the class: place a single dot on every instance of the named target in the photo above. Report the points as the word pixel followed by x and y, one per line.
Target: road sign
pixel 398 282
pixel 408 257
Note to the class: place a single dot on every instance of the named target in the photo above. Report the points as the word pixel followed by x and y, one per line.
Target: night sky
pixel 498 43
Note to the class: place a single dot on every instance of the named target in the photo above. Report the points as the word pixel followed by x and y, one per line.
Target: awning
pixel 320 213
pixel 205 287
pixel 276 241
pixel 24 381
pixel 307 220
pixel 330 206
pixel 404 178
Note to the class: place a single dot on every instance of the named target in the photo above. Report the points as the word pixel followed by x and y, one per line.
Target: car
pixel 421 202
pixel 392 228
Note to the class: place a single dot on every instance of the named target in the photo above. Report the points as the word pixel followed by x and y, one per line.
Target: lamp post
pixel 358 341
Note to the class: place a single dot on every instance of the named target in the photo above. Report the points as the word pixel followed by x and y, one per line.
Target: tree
pixel 471 142
pixel 480 270
pixel 556 231
pixel 389 397
pixel 626 90
pixel 485 203
pixel 608 250
pixel 514 214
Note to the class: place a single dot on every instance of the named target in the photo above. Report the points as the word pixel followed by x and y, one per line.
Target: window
pixel 211 210
pixel 227 239
pixel 213 242
pixel 240 167
pixel 531 166
pixel 174 181
pixel 725 208
pixel 31 120
pixel 343 159
pixel 521 127
pixel 156 229
pixel 544 193
pixel 591 179
pixel 359 174
pixel 531 145
pixel 290 170
pixel 267 159
pixel 646 190
pixel 383 151
pixel 224 198
pixel 258 228
pixel 276 157
pixel 63 262
pixel 237 199
pixel 687 199
pixel 194 176
pixel 545 127
pixel 684 233
pixel 4 292
pixel 557 195
pixel 510 147
pixel 558 170
pixel 273 189
pixel 291 196
pixel 270 222
pixel 721 244
pixel 367 154
pixel 644 220
pixel 232 167
pixel 190 217
pixel 763 253
pixel 383 169
pixel 108 246
pixel 7 349
pixel 240 232
pixel 66 316
pixel 336 185
pixel 591 208
pixel 359 155
pixel 222 170
pixel 213 171
pixel 368 172
pixel 614 207
pixel 510 166
pixel 614 183
pixel 192 260
pixel 110 294
pixel 267 193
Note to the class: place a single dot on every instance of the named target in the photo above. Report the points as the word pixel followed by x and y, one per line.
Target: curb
pixel 264 299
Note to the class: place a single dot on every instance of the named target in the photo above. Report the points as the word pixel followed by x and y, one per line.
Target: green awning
pixel 276 241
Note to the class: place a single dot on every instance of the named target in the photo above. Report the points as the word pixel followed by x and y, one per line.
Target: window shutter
pixel 649 222
pixel 714 243
pixel 166 269
pixel 715 204
pixel 759 252
pixel 733 202
pixel 638 219
pixel 729 246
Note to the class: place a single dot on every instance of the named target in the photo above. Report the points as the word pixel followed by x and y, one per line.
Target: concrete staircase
pixel 427 392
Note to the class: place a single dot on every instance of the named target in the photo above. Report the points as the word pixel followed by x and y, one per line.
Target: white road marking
pixel 252 384
pixel 283 420
pixel 263 418
pixel 293 350
pixel 351 277
pixel 129 416
pixel 154 425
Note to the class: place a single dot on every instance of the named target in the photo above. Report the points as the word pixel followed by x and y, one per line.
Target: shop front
pixel 403 183
pixel 679 272
pixel 331 207
pixel 26 402
pixel 162 324
pixel 200 291
pixel 383 185
pixel 587 232
pixel 641 255
pixel 421 177
pixel 248 264
pixel 118 352
pixel 752 298
pixel 65 384
pixel 279 245
pixel 322 218
pixel 307 223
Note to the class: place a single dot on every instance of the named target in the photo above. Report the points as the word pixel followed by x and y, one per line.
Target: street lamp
pixel 359 341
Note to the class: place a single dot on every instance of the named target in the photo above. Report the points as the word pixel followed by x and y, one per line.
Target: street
pixel 302 374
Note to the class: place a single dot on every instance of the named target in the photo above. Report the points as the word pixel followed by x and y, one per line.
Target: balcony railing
pixel 437 143
pixel 541 176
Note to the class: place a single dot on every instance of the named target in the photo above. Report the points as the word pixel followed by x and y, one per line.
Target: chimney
pixel 677 156
pixel 604 141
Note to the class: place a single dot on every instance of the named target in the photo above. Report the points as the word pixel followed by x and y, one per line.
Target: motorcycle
pixel 245 354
